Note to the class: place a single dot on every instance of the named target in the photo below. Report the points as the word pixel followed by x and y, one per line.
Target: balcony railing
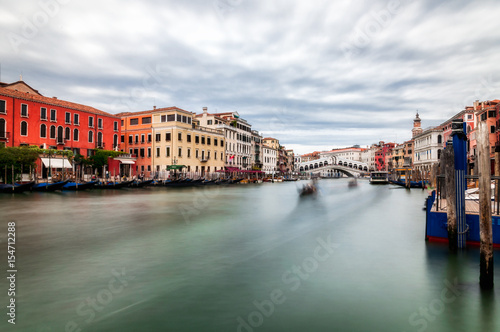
pixel 204 159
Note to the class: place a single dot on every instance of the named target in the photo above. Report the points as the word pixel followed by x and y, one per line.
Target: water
pixel 238 258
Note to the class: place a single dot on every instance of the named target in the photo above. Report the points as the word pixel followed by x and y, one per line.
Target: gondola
pixel 16 188
pixel 75 186
pixel 112 185
pixel 141 184
pixel 46 186
pixel 308 190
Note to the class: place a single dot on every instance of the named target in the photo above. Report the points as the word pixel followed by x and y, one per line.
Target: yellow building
pixel 177 139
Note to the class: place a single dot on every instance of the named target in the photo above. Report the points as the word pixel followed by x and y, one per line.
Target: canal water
pixel 238 258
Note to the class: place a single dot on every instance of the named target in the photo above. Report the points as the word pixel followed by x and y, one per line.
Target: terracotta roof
pixel 157 110
pixel 51 101
pixel 270 138
pixel 7 85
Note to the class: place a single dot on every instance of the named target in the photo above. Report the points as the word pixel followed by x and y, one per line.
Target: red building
pixel 383 155
pixel 28 118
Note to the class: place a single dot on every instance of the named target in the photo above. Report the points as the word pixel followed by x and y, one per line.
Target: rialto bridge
pixel 333 167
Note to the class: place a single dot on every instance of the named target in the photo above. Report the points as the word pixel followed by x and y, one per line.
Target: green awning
pixel 179 167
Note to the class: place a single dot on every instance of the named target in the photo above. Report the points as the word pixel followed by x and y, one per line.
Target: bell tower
pixel 417 126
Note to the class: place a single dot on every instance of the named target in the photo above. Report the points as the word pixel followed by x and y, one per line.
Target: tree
pixel 21 158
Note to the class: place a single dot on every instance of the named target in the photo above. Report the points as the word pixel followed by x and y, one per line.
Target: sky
pixel 317 75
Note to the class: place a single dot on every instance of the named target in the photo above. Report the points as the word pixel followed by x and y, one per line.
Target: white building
pixel 427 149
pixel 269 159
pixel 368 157
pixel 238 134
pixel 353 153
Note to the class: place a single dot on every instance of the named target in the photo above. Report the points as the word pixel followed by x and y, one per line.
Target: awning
pixel 179 167
pixel 56 163
pixel 128 162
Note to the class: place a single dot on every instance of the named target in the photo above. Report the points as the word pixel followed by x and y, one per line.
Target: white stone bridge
pixel 333 167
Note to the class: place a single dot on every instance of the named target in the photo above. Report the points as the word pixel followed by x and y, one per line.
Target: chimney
pixel 154 107
pixel 205 110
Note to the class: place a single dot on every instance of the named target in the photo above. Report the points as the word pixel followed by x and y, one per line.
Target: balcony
pixel 60 140
pixel 204 159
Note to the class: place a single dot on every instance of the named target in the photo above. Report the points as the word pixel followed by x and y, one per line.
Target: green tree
pixel 19 158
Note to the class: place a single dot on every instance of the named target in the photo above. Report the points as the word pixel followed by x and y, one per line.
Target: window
pixel 115 126
pixel 439 139
pixel 134 121
pixel 43 131
pixel 149 138
pixel 469 116
pixel 221 143
pixel 483 116
pixel 143 138
pixel 184 119
pixel 215 155
pixel 492 114
pixel 60 134
pixel 122 122
pixel 136 139
pixel 53 115
pixel 209 122
pixel 157 152
pixel 67 133
pixel 208 154
pixel 167 151
pixel 189 153
pixel 202 139
pixel 76 119
pixel 99 123
pixel 196 154
pixel 168 137
pixel 197 139
pixel 146 120
pixel 189 120
pixel 149 152
pixel 179 136
pixel 43 113
pixel 67 117
pixel 115 140
pixel 141 152
pixel 163 118
pixel 3 108
pixel 215 141
pixel 130 151
pixel 24 110
pixel 91 121
pixel 188 138
pixel 180 152
pixel 492 129
pixel 130 139
pixel 158 137
pixel 75 135
pixel 52 132
pixel 221 155
pixel 179 118
pixel 208 141
pixel 122 139
pixel 170 117
pixel 91 136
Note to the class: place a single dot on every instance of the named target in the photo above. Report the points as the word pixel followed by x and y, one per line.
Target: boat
pixel 75 186
pixel 409 184
pixel 112 185
pixel 141 184
pixel 49 186
pixel 308 189
pixel 17 188
pixel 352 183
pixel 379 177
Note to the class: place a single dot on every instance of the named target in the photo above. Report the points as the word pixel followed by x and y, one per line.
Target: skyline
pixel 316 77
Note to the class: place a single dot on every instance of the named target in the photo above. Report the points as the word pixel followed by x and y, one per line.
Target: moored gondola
pixel 75 186
pixel 16 188
pixel 47 186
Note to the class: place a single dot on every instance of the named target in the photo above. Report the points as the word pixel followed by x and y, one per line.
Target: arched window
pixel 3 134
pixel 115 141
pixel 60 134
pixel 43 131
pixel 53 132
pixel 75 135
pixel 91 136
pixel 24 128
pixel 99 139
pixel 67 133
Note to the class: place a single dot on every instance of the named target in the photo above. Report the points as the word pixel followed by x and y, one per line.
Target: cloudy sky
pixel 315 74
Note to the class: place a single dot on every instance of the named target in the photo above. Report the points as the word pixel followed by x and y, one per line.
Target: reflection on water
pixel 239 258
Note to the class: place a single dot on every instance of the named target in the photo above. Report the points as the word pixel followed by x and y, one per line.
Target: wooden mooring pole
pixel 449 184
pixel 485 226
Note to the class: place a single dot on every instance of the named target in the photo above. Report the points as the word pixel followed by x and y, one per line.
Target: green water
pixel 237 258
